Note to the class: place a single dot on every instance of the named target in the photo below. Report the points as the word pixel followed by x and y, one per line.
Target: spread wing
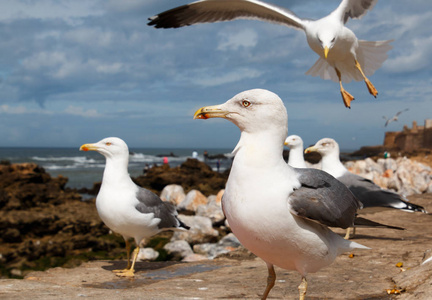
pixel 354 9
pixel 210 11
pixel 323 198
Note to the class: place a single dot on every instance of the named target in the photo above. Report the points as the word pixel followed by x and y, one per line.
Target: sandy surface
pixel 366 275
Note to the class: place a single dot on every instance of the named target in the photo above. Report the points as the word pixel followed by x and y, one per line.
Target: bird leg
pixel 128 246
pixel 130 272
pixel 271 278
pixel 346 97
pixel 370 86
pixel 302 288
pixel 347 235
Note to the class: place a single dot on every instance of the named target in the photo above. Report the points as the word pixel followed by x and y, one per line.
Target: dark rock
pixel 192 174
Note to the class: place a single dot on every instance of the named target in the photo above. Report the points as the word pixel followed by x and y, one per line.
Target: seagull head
pixel 294 141
pixel 327 39
pixel 252 111
pixel 324 147
pixel 109 147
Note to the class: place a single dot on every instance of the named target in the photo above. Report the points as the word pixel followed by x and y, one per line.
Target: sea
pixel 85 168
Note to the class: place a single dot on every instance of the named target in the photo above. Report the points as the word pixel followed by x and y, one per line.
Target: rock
pixel 194 257
pixel 201 230
pixel 43 224
pixel 219 197
pixel 192 174
pixel 212 211
pixel 192 200
pixel 225 245
pixel 173 193
pixel 178 249
pixel 147 254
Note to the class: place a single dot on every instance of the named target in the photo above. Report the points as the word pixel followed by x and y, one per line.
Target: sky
pixel 76 71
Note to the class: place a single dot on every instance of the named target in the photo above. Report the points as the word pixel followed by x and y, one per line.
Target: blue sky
pixel 77 71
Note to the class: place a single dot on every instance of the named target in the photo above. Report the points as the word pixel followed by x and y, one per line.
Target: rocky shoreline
pixel 45 225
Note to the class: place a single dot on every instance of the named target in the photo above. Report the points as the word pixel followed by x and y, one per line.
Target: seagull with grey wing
pixel 278 212
pixel 343 57
pixel 394 118
pixel 126 208
pixel 373 197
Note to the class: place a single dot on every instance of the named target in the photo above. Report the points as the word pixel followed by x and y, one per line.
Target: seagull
pixel 278 212
pixel 394 118
pixel 295 159
pixel 342 57
pixel 126 208
pixel 373 197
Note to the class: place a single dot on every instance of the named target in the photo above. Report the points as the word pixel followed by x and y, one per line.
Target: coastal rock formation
pixel 42 224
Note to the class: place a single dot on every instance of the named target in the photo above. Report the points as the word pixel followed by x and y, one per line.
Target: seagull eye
pixel 246 103
pixel 333 40
pixel 108 143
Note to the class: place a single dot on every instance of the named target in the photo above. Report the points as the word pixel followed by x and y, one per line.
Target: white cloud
pixel 245 38
pixel 48 9
pixel 208 79
pixel 416 56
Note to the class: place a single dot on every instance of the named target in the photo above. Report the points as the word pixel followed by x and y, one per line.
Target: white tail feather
pixel 370 55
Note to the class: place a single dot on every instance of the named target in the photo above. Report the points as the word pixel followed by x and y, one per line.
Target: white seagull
pixel 373 197
pixel 280 213
pixel 342 56
pixel 126 208
pixel 295 158
pixel 394 118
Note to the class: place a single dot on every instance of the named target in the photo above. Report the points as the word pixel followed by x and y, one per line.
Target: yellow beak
pixel 207 112
pixel 88 147
pixel 326 51
pixel 311 149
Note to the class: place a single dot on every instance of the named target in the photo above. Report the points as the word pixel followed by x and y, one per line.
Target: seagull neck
pixel 263 149
pixel 115 170
pixel 296 156
pixel 331 164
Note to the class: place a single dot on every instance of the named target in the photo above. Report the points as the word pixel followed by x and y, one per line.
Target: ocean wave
pixel 53 167
pixel 76 159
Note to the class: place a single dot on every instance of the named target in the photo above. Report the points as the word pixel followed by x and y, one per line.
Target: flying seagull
pixel 280 213
pixel 373 197
pixel 342 57
pixel 126 208
pixel 394 118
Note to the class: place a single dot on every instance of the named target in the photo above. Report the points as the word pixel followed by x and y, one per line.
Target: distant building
pixel 410 139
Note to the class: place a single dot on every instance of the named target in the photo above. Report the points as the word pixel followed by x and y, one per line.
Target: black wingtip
pixel 183 225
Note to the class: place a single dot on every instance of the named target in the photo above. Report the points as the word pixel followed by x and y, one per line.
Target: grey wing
pixel 210 11
pixel 324 199
pixel 371 195
pixel 399 112
pixel 149 202
pixel 354 9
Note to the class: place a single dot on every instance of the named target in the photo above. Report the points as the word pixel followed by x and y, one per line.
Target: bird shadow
pixel 151 272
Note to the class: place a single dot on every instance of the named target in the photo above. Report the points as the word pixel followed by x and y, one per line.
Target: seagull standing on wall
pixel 342 56
pixel 126 208
pixel 280 213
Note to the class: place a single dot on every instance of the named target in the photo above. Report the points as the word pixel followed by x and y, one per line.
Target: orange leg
pixel 346 97
pixel 271 278
pixel 130 272
pixel 128 247
pixel 370 86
